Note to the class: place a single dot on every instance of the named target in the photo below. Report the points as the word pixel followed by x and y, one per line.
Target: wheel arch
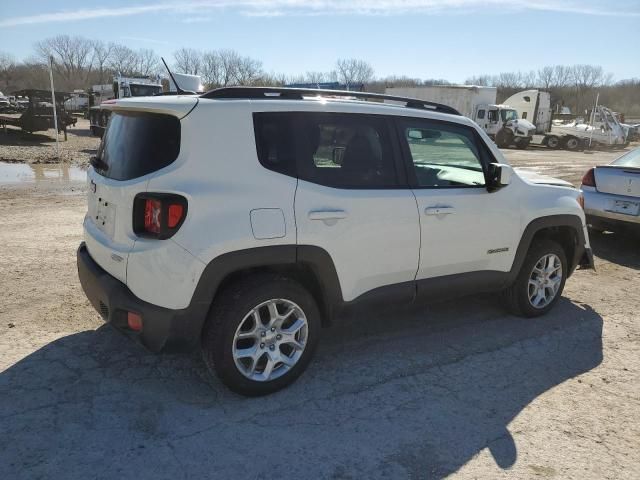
pixel 567 230
pixel 311 266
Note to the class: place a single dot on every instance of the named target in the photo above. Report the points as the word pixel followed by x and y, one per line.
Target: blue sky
pixel 451 39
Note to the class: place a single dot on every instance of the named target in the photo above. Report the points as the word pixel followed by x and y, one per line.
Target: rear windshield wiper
pixel 99 164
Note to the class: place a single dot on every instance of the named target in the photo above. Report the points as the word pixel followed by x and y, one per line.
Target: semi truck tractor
pixel 500 122
pixel 125 87
pixel 122 87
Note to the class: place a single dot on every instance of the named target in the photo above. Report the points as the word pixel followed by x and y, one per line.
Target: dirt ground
pixel 459 388
pixel 40 147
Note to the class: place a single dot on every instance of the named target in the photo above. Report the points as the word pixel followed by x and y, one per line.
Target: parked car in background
pixel 612 194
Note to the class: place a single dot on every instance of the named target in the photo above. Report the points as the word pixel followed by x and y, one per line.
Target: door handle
pixel 439 210
pixel 327 215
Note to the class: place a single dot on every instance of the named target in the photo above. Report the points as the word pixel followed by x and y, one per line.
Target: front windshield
pixel 508 115
pixel 144 90
pixel 631 159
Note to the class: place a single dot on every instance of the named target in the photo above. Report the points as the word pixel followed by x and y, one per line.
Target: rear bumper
pixel 597 208
pixel 163 329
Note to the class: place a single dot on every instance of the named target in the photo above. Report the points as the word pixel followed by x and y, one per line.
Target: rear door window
pixel 136 144
pixel 345 151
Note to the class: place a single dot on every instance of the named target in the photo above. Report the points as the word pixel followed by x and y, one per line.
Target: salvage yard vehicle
pixel 500 122
pixel 243 220
pixel 612 194
pixel 38 114
pixel 122 87
pixel 603 130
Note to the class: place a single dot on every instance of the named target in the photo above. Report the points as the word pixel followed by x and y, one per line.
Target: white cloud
pixel 196 19
pixel 197 10
pixel 145 40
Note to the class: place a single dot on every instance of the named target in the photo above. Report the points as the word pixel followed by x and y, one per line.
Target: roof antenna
pixel 178 89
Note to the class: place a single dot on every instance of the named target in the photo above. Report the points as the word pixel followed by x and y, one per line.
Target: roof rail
pixel 283 93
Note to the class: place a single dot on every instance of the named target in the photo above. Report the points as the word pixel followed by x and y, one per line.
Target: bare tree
pixel 122 60
pixel 7 70
pixel 211 69
pixel 73 56
pixel 510 80
pixel 546 77
pixel 482 81
pixel 561 76
pixel 219 67
pixel 247 71
pixel 353 71
pixel 314 77
pixel 188 60
pixel 147 62
pixel 228 61
pixel 101 56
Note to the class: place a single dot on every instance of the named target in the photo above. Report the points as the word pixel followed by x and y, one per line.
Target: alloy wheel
pixel 270 340
pixel 545 280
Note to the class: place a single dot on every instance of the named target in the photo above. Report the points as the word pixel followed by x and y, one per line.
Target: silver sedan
pixel 612 194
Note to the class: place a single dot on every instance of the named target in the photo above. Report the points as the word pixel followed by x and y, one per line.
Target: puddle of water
pixel 12 173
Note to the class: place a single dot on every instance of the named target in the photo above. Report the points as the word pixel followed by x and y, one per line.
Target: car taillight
pixel 158 215
pixel 589 178
pixel 152 211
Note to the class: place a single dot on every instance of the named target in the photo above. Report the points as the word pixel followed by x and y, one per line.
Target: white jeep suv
pixel 243 220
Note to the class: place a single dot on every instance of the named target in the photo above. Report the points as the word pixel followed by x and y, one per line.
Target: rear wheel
pixel 261 334
pixel 572 143
pixel 553 142
pixel 540 282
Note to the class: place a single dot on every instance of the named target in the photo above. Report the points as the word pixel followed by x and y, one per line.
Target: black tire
pixel 553 142
pixel 516 297
pixel 231 306
pixel 504 138
pixel 522 144
pixel 572 143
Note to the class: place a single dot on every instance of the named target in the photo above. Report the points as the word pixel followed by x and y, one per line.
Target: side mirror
pixel 498 176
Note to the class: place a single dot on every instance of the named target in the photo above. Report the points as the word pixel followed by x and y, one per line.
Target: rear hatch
pixel 618 180
pixel 142 138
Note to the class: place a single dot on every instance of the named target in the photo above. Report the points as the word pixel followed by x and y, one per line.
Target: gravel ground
pixel 459 388
pixel 17 146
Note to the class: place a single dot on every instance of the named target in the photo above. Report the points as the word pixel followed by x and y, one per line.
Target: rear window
pixel 631 159
pixel 136 144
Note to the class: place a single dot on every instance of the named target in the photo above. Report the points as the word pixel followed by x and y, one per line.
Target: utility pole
pixel 593 116
pixel 53 101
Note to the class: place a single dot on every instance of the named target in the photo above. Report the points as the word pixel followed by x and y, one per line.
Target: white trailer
pixel 501 122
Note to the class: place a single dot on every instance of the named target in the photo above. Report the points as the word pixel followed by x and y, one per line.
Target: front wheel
pixel 261 334
pixel 504 138
pixel 540 282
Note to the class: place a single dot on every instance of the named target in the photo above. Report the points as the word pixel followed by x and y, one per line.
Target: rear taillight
pixel 158 215
pixel 152 211
pixel 589 178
